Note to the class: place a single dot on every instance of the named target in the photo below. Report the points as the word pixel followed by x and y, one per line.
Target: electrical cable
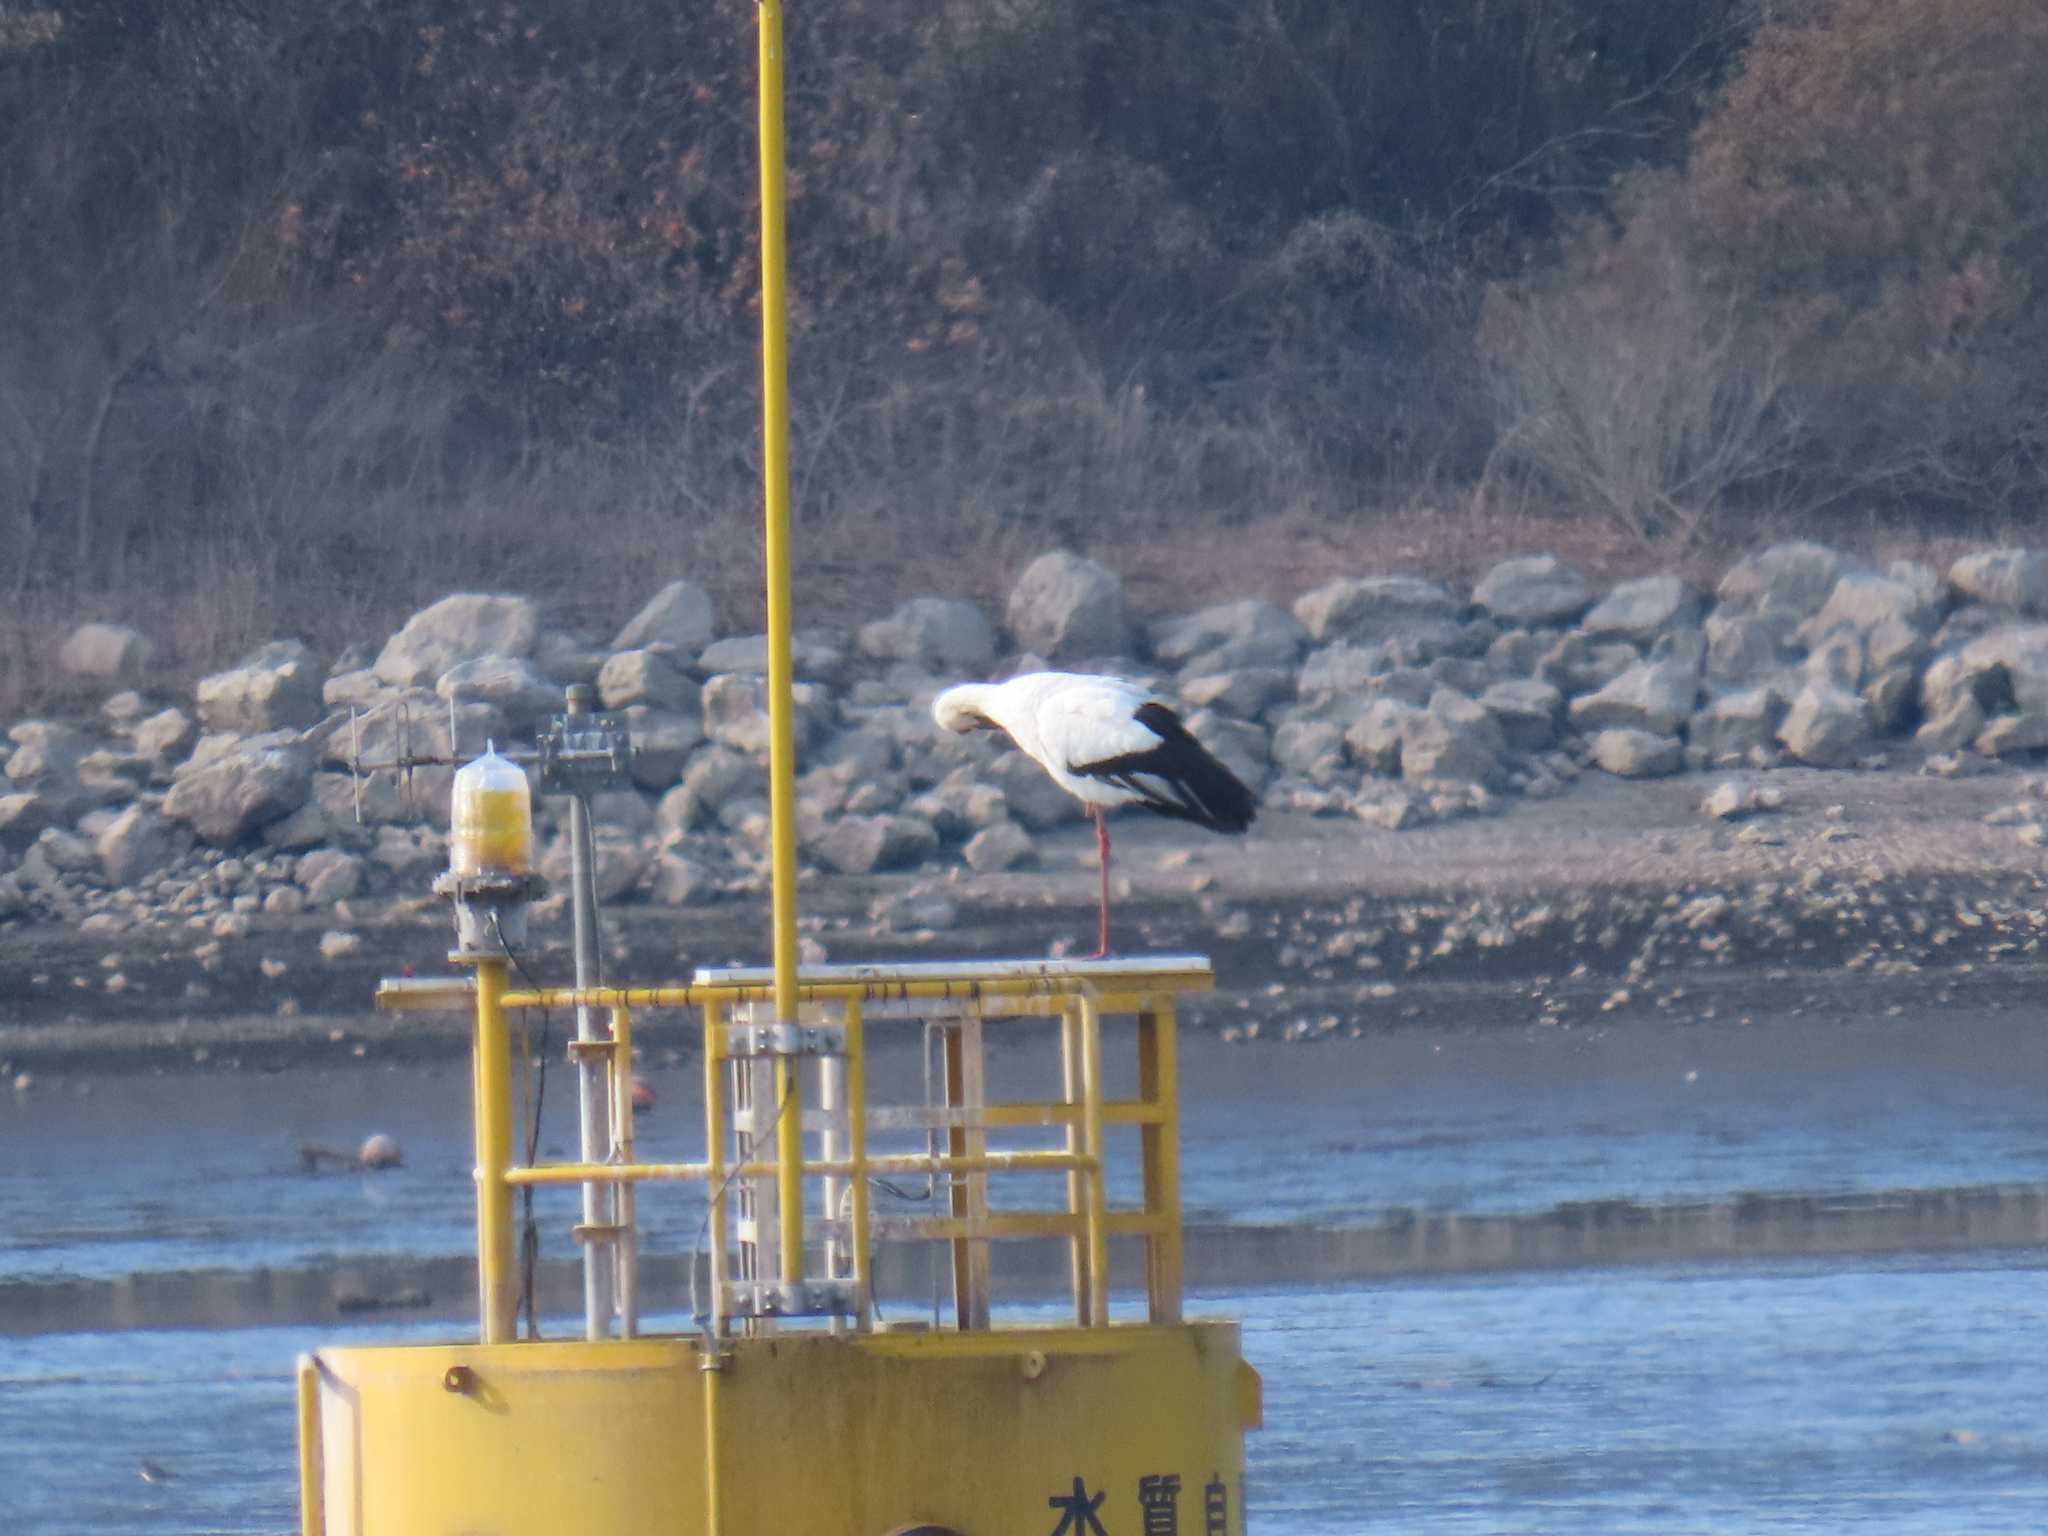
pixel 698 1314
pixel 529 1237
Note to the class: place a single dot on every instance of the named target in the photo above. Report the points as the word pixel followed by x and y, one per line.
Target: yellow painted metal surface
pixel 775 502
pixel 993 1434
pixel 496 1256
pixel 312 1481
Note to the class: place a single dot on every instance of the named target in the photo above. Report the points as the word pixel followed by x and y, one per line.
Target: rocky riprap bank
pixel 1392 700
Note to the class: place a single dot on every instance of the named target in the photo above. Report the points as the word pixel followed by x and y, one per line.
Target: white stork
pixel 1107 742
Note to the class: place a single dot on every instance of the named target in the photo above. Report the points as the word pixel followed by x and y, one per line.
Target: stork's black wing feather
pixel 1179 777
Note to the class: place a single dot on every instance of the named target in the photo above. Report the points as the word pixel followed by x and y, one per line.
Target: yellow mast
pixel 781 712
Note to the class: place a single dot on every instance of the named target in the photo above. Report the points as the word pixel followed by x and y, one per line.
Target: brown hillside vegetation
pixel 313 312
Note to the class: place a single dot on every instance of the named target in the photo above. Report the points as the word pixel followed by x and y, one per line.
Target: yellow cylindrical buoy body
pixel 1084 1430
pixel 492 819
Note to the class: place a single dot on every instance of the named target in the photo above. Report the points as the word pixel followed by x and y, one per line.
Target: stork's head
pixel 961 709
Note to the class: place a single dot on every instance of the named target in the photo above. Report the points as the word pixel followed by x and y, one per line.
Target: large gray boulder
pixel 1454 738
pixel 617 862
pixel 859 845
pixel 1308 748
pixel 811 656
pixel 1653 696
pixel 1891 696
pixel 1372 609
pixel 328 875
pixel 512 685
pixel 1894 618
pixel 1632 754
pixel 933 632
pixel 1375 737
pixel 46 757
pixel 163 738
pixel 960 805
pixel 136 843
pixel 567 655
pixel 1738 724
pixel 1033 797
pixel 649 677
pixel 1748 645
pixel 1527 709
pixel 1533 590
pixel 1338 670
pixel 25 816
pixel 458 628
pixel 110 654
pixel 1246 692
pixel 1000 845
pixel 2013 735
pixel 1578 663
pixel 1956 727
pixel 1827 726
pixel 1644 609
pixel 716 777
pixel 2004 578
pixel 735 709
pixel 2006 669
pixel 111 777
pixel 277 688
pixel 1794 577
pixel 357 688
pixel 235 796
pixel 678 616
pixel 1251 633
pixel 674 879
pixel 1064 607
pixel 662 744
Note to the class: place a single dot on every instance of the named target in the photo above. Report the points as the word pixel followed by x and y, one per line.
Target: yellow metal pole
pixel 714 1156
pixel 625 1202
pixel 781 712
pixel 496 1259
pixel 1070 1084
pixel 789 1167
pixel 775 488
pixel 1093 1209
pixel 857 1154
pixel 1159 1084
pixel 312 1477
pixel 710 1367
pixel 714 1501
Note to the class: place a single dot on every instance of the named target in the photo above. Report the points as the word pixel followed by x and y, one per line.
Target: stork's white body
pixel 1064 720
pixel 1108 743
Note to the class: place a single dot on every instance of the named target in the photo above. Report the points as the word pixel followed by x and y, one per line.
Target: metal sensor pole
pixel 592 1040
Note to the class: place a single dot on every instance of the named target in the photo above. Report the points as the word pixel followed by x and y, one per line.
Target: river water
pixel 1897 1393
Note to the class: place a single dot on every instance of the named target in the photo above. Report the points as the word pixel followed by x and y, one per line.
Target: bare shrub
pixel 1874 181
pixel 1627 383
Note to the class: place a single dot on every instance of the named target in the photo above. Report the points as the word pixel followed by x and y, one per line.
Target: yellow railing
pixel 836 1007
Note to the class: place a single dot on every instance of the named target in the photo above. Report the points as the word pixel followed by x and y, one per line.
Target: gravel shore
pixel 1858 893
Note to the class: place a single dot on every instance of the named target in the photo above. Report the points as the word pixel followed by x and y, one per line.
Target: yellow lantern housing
pixel 491 825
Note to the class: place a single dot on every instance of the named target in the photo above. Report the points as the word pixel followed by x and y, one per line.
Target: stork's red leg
pixel 1102 863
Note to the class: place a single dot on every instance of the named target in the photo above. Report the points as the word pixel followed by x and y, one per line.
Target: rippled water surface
pixel 200 1170
pixel 1901 1397
pixel 1898 1395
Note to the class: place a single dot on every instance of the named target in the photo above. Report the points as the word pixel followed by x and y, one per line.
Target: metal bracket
pixel 583 753
pixel 749 1041
pixel 804 1298
pixel 490 911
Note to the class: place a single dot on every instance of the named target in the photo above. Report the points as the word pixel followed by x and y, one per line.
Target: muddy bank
pixel 1860 892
